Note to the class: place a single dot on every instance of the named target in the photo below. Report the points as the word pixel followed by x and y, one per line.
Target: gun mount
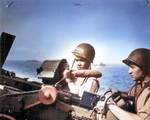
pixel 24 100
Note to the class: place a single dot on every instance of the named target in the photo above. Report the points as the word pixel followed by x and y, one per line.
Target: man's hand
pixel 68 75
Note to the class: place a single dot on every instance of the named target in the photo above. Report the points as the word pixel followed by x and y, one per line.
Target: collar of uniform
pixel 146 80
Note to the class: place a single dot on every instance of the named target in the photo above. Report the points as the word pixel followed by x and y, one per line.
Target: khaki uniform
pixel 143 104
pixel 141 92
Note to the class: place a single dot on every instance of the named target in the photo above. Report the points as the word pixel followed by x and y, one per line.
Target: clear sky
pixel 51 29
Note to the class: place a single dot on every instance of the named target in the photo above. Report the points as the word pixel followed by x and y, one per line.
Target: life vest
pixel 93 78
pixel 82 76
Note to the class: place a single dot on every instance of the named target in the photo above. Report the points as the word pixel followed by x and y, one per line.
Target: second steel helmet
pixel 140 57
pixel 86 51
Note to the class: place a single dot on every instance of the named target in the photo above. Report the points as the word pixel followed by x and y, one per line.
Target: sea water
pixel 23 69
pixel 116 77
pixel 113 76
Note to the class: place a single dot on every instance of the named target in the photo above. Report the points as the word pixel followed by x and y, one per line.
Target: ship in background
pixel 99 65
pixel 32 61
pixel 21 99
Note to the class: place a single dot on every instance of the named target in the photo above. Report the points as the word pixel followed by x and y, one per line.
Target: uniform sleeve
pixel 144 112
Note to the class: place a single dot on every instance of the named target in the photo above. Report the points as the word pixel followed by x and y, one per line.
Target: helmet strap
pixel 89 67
pixel 72 63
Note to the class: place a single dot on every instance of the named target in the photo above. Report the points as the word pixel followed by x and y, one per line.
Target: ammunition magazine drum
pixel 47 95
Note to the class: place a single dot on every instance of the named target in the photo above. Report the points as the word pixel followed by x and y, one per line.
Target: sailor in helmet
pixel 84 55
pixel 139 69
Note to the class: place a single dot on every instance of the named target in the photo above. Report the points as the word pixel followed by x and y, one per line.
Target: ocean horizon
pixel 113 75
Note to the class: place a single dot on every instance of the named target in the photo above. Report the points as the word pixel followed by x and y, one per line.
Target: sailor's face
pixel 82 63
pixel 135 72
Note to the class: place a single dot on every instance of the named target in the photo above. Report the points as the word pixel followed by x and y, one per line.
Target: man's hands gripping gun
pixel 101 108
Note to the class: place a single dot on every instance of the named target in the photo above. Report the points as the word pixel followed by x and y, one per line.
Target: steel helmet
pixel 140 57
pixel 85 50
